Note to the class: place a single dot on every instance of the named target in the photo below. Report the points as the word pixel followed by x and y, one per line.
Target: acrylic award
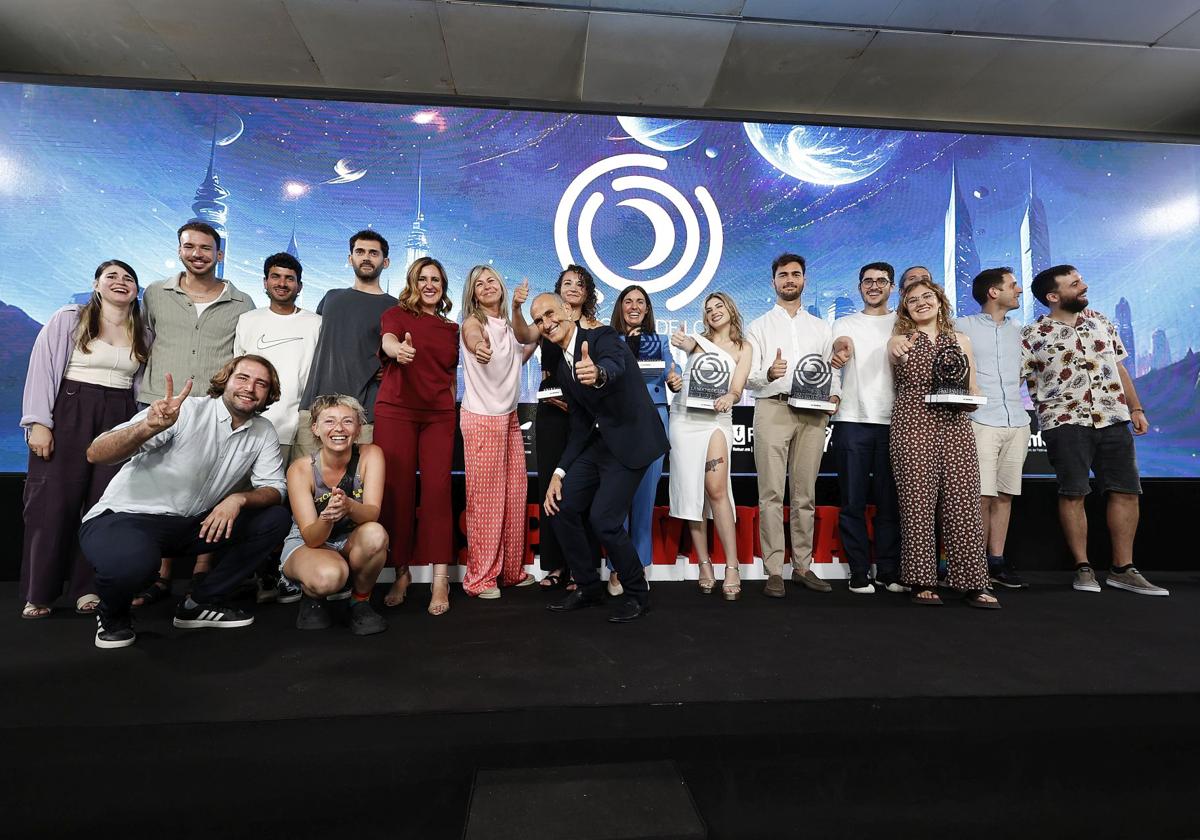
pixel 708 380
pixel 951 379
pixel 810 384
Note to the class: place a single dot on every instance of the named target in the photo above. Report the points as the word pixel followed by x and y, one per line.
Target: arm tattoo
pixel 711 466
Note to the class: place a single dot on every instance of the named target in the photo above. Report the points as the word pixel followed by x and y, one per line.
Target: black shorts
pixel 1108 452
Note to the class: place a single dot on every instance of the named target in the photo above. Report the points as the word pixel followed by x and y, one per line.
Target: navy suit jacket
pixel 620 411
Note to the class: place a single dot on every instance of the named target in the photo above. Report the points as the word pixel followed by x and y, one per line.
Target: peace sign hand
pixel 163 413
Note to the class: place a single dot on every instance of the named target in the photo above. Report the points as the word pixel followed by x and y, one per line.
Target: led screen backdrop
pixel 680 206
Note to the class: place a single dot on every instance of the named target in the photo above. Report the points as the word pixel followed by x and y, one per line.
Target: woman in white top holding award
pixel 701 433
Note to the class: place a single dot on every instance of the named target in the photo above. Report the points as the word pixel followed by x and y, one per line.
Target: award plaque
pixel 951 378
pixel 708 380
pixel 650 351
pixel 549 394
pixel 810 384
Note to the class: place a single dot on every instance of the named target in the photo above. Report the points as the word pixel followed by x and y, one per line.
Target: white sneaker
pixel 898 587
pixel 1131 580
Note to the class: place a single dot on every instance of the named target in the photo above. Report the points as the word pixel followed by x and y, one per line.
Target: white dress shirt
pixel 190 467
pixel 797 337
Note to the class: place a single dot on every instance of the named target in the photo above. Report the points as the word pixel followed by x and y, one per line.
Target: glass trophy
pixel 810 384
pixel 951 378
pixel 708 380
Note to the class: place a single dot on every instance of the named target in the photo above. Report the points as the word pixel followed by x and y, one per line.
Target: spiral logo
pixel 710 370
pixel 951 365
pixel 813 372
pixel 659 217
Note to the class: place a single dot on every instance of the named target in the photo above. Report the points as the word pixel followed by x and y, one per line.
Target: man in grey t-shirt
pixel 347 357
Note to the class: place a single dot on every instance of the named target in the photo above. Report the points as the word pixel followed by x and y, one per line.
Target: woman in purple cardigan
pixel 83 369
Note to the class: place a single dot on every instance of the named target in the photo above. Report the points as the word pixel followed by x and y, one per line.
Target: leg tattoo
pixel 710 466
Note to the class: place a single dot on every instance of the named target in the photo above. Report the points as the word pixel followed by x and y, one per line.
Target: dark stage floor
pixel 851 714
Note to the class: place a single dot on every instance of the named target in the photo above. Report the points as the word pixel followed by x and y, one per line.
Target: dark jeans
pixel 599 488
pixel 125 549
pixel 860 452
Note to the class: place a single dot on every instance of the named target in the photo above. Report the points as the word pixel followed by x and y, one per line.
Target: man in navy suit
pixel 615 434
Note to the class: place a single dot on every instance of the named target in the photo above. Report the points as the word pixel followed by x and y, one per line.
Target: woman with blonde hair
pixel 493 449
pixel 702 439
pixel 84 367
pixel 414 426
pixel 933 453
pixel 335 495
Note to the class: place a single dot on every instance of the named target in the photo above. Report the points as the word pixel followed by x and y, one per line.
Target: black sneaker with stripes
pixel 114 632
pixel 221 616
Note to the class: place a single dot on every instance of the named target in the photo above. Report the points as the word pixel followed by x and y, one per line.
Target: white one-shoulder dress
pixel 690 431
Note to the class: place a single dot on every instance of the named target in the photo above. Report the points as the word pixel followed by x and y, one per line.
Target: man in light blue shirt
pixel 180 494
pixel 1002 426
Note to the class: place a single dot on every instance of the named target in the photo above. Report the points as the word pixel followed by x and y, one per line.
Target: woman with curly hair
pixel 933 454
pixel 414 426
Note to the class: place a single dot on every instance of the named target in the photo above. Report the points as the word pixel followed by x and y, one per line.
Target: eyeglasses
pixel 876 282
pixel 928 297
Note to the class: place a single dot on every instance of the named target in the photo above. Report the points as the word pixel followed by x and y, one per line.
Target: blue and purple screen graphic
pixel 681 207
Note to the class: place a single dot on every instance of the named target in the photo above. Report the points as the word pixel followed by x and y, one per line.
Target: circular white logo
pixel 661 220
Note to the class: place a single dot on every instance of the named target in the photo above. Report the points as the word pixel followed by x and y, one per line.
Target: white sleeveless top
pixel 112 367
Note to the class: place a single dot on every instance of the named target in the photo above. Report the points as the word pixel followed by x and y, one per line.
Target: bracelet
pixel 1136 410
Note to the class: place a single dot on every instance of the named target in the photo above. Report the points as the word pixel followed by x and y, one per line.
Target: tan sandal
pixel 707 584
pixel 87 604
pixel 436 607
pixel 398 593
pixel 732 591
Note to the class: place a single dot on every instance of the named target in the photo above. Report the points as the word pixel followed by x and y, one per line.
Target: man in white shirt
pixel 286 336
pixel 787 441
pixel 178 494
pixel 860 436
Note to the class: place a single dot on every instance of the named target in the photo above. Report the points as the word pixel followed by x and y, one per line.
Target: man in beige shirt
pixel 194 315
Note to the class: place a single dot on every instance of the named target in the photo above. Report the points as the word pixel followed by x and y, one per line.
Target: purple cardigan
pixel 48 362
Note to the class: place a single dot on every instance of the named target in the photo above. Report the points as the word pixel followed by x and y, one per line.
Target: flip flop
pixel 975 598
pixel 34 611
pixel 87 604
pixel 932 599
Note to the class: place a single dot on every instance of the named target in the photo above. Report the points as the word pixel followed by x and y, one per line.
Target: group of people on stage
pixel 343 412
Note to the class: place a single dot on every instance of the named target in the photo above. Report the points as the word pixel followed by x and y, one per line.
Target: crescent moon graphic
pixel 664 231
pixel 232 137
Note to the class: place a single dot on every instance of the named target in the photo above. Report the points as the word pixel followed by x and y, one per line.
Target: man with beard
pixel 178 495
pixel 347 356
pixel 861 435
pixel 787 441
pixel 286 336
pixel 194 316
pixel 1086 402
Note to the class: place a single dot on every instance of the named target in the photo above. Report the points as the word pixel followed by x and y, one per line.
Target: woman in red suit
pixel 414 425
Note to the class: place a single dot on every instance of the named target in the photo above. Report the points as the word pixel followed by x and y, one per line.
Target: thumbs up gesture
pixel 778 367
pixel 585 369
pixel 521 293
pixel 405 353
pixel 674 380
pixel 483 350
pixel 682 340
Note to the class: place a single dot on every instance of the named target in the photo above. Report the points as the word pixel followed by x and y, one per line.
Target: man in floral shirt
pixel 1086 403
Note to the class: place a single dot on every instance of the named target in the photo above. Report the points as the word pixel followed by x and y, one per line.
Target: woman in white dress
pixel 702 439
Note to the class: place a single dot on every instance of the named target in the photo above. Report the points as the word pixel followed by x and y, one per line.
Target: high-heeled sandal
pixel 731 593
pixel 439 609
pixel 707 586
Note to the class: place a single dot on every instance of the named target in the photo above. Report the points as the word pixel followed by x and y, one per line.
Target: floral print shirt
pixel 1072 371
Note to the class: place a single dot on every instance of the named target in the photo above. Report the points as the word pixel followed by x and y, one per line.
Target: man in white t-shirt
pixel 287 336
pixel 861 434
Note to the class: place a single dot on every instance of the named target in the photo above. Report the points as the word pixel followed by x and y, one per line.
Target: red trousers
pixel 412 441
pixel 494 459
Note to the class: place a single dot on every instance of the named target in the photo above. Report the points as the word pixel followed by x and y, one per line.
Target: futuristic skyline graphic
pixel 679 206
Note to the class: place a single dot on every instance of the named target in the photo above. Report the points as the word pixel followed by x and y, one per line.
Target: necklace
pixel 119 323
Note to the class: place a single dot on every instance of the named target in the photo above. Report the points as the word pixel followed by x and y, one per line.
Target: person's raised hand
pixel 521 293
pixel 674 380
pixel 585 368
pixel 405 353
pixel 483 350
pixel 163 413
pixel 899 346
pixel 778 367
pixel 680 339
